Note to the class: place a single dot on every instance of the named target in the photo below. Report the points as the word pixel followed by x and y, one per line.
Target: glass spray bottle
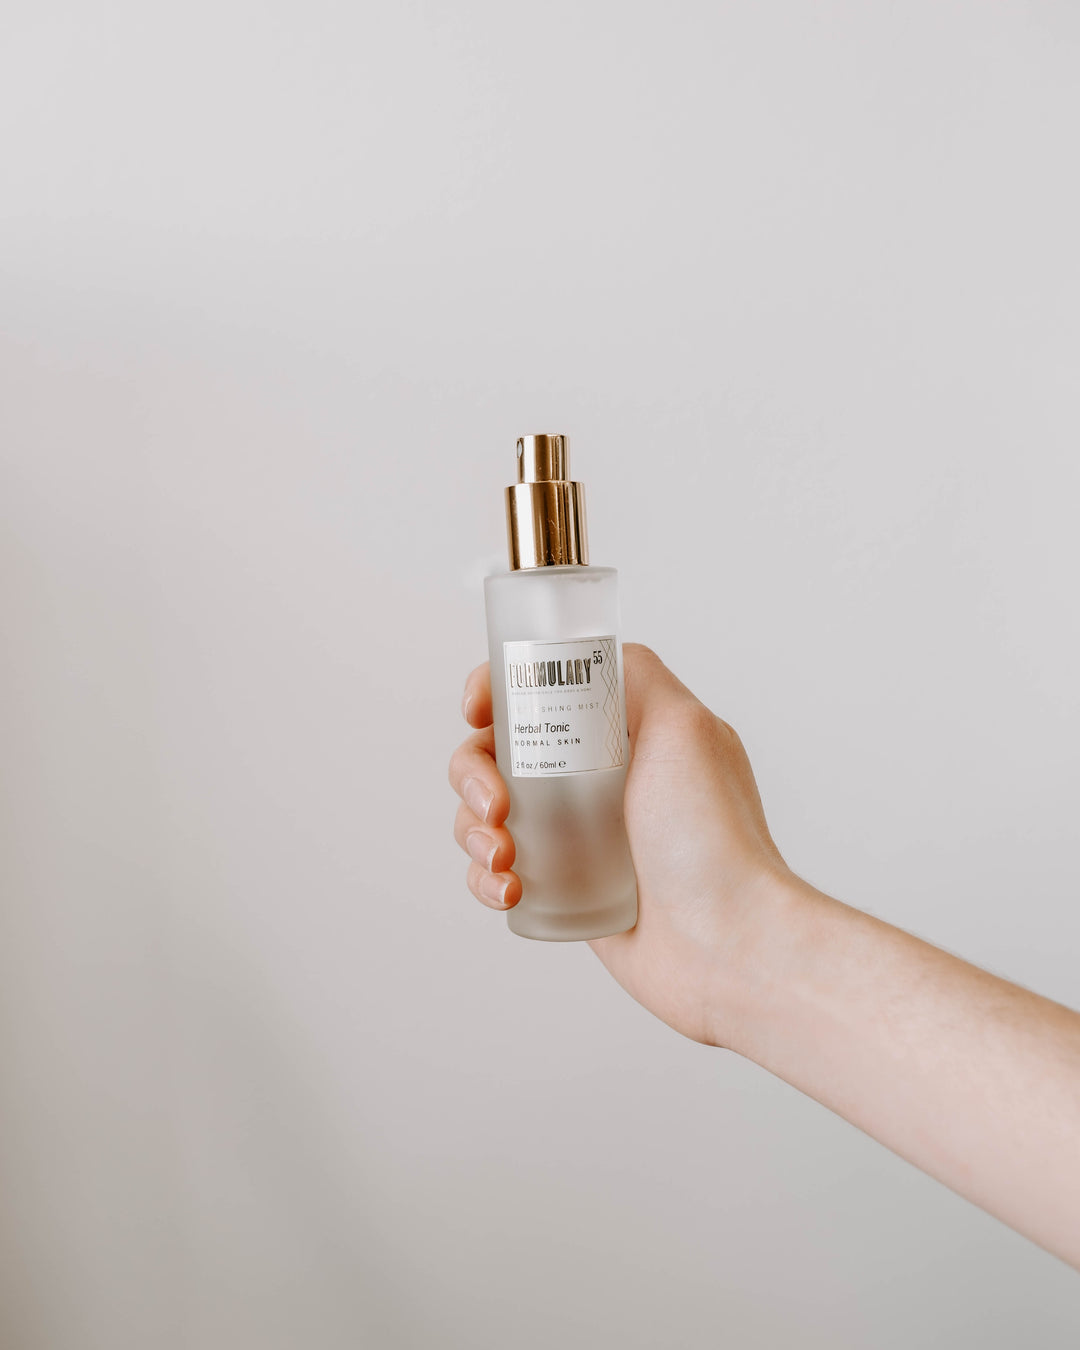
pixel 560 708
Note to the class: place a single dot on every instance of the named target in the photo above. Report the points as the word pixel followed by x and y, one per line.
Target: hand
pixel 706 864
pixel 974 1080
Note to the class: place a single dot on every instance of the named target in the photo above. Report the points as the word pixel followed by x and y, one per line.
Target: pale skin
pixel 972 1079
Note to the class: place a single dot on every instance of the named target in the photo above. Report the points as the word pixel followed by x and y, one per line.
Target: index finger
pixel 476 702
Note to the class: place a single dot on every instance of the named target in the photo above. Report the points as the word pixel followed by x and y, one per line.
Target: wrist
pixel 773 931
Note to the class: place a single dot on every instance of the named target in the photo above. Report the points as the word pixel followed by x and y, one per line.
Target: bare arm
pixel 972 1079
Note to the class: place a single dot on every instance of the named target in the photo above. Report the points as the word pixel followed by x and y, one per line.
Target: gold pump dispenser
pixel 545 511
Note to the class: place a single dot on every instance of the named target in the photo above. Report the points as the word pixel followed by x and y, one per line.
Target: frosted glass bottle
pixel 560 710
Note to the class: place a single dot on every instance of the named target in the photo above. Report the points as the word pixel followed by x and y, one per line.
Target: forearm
pixel 972 1079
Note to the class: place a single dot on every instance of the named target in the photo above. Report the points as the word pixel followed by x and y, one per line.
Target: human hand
pixel 942 1062
pixel 707 868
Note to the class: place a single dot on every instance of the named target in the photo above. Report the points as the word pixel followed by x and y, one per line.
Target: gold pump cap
pixel 545 511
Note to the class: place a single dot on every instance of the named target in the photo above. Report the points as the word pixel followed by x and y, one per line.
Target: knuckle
pixel 506 852
pixel 461 824
pixel 455 768
pixel 724 729
pixel 700 724
pixel 694 718
pixel 639 651
pixel 478 673
pixel 468 760
pixel 726 737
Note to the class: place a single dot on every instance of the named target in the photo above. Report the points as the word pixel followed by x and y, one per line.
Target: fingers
pixel 473 772
pixel 476 701
pixel 497 890
pixel 479 827
pixel 476 779
pixel 491 847
pixel 492 851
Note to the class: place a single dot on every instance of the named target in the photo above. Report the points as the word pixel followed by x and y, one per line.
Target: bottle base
pixel 571 926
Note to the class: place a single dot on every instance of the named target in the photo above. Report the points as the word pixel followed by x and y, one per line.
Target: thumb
pixel 649 684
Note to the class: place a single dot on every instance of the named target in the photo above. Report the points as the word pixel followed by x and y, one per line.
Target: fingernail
pixel 493 887
pixel 477 796
pixel 480 847
pixel 465 705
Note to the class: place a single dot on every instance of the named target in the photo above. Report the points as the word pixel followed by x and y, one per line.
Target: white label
pixel 562 701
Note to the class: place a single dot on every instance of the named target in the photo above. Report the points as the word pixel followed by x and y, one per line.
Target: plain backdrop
pixel 280 284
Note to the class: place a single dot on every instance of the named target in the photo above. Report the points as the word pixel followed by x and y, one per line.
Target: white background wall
pixel 280 284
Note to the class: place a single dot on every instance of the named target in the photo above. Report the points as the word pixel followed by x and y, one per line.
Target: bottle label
pixel 562 701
